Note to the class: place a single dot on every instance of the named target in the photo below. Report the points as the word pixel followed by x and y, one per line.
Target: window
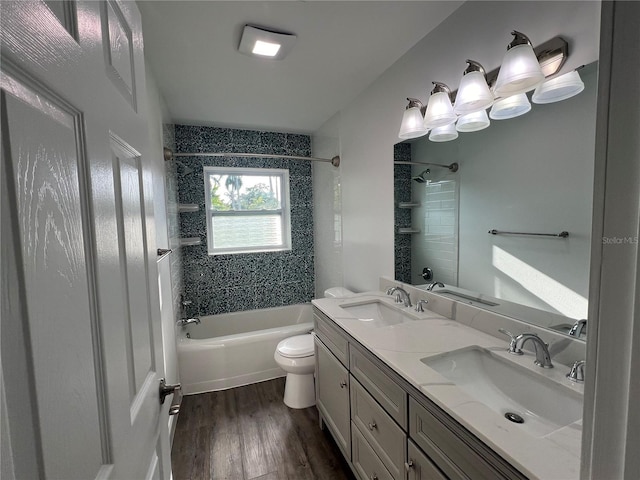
pixel 247 210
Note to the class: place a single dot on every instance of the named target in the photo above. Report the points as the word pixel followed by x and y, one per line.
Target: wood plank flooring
pixel 248 433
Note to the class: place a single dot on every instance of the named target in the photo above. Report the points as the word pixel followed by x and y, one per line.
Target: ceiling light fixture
pixel 473 122
pixel 520 70
pixel 439 109
pixel 445 133
pixel 558 88
pixel 412 125
pixel 473 92
pixel 510 107
pixel 265 43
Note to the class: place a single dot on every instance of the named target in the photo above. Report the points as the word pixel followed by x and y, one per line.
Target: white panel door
pixel 80 324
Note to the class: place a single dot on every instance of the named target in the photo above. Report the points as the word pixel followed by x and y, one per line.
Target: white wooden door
pixel 81 339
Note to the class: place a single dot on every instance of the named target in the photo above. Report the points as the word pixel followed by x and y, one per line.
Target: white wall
pixel 368 127
pixel 327 211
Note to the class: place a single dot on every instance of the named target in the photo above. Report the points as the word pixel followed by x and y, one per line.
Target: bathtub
pixel 235 349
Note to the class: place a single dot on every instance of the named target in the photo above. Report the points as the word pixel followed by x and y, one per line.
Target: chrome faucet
pixel 183 322
pixel 578 327
pixel 543 357
pixel 576 374
pixel 435 284
pixel 419 305
pixel 401 295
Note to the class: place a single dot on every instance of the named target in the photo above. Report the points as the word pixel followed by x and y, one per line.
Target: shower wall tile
pixel 228 283
pixel 402 216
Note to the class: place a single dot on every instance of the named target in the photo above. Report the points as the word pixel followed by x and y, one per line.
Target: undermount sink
pixel 377 314
pixel 508 388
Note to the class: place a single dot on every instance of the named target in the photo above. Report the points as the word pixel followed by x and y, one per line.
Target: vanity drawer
pixel 383 434
pixel 451 454
pixel 332 338
pixel 387 392
pixel 420 467
pixel 365 461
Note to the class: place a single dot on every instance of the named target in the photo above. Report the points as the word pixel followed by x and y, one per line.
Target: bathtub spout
pixel 183 322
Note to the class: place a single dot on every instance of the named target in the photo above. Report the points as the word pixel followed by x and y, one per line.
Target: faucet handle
pixel 576 374
pixel 419 305
pixel 513 349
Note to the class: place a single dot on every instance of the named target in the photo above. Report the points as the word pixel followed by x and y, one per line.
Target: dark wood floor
pixel 249 433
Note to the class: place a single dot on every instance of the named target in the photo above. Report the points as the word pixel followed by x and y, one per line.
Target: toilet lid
pixel 295 347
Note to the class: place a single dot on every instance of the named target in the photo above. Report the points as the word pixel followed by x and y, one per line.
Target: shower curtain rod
pixel 169 155
pixel 453 167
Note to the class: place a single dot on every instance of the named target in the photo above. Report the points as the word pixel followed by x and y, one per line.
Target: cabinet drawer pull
pixel 408 465
pixel 372 425
pixel 343 384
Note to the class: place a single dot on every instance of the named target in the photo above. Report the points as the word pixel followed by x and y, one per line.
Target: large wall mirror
pixel 530 174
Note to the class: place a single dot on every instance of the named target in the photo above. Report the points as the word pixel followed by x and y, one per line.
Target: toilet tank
pixel 338 292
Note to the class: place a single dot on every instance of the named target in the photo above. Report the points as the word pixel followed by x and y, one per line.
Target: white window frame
pixel 284 211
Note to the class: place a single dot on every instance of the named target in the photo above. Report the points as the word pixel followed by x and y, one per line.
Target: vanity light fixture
pixel 520 70
pixel 473 122
pixel 446 133
pixel 265 43
pixel 473 92
pixel 439 109
pixel 558 88
pixel 412 125
pixel 510 107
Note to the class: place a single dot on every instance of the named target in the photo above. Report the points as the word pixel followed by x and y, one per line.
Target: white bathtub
pixel 235 349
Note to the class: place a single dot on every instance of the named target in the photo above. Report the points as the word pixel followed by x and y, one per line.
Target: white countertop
pixel 555 456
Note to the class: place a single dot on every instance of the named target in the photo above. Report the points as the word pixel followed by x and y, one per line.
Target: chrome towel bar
pixel 563 234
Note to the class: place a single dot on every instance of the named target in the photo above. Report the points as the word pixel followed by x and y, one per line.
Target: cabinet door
pixel 419 467
pixel 332 381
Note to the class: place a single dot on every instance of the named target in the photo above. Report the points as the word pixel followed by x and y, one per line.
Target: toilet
pixel 295 355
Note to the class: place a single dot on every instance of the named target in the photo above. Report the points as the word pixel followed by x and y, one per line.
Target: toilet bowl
pixel 295 355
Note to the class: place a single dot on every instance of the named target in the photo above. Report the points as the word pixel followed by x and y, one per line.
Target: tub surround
pixel 229 283
pixel 448 326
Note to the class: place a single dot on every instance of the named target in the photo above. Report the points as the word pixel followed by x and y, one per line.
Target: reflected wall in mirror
pixel 532 173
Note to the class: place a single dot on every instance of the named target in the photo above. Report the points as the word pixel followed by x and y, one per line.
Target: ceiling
pixel 342 47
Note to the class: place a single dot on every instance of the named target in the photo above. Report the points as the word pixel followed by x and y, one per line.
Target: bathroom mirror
pixel 529 175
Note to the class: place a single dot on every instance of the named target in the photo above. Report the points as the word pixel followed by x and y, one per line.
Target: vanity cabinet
pixel 386 428
pixel 332 396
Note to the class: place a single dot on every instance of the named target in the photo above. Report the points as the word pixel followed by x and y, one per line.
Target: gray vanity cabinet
pixel 386 428
pixel 332 396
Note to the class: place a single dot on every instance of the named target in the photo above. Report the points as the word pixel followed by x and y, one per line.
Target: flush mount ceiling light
pixel 520 70
pixel 558 88
pixel 510 107
pixel 265 43
pixel 412 125
pixel 473 92
pixel 439 109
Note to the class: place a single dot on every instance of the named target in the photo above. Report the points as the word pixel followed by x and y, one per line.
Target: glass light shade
pixel 473 94
pixel 445 133
pixel 519 72
pixel 472 122
pixel 510 107
pixel 412 125
pixel 558 88
pixel 439 111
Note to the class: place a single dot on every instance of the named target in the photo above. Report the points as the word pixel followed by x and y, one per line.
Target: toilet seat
pixel 298 346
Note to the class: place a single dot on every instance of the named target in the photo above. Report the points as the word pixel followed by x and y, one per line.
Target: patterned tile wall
pixel 402 216
pixel 228 283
